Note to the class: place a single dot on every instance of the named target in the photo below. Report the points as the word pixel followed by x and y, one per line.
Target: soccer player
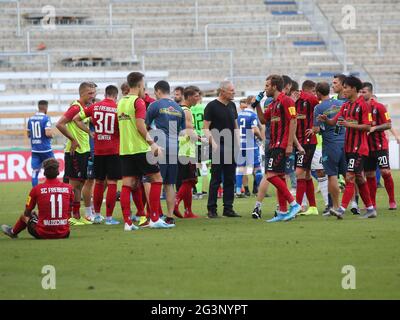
pixel 203 149
pixel 187 154
pixel 124 89
pixel 250 151
pixel 103 115
pixel 136 149
pixel 305 105
pixel 169 119
pixel 281 112
pixel 77 150
pixel 333 155
pixel 39 131
pixel 378 147
pixel 354 115
pixel 54 200
pixel 178 94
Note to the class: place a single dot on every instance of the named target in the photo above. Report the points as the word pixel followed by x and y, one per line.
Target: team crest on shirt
pixel 358 109
pixel 305 104
pixel 375 111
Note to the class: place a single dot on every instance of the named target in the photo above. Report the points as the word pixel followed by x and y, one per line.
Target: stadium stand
pixel 183 41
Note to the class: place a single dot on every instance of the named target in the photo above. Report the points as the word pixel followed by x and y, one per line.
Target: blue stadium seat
pixel 308 43
pixel 281 3
pixel 284 13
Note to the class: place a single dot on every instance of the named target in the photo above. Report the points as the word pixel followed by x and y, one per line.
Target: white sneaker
pixel 131 227
pixel 160 224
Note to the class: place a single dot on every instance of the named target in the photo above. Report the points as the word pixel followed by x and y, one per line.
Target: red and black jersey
pixel 377 140
pixel 356 141
pixel 279 112
pixel 105 121
pixel 305 117
pixel 54 200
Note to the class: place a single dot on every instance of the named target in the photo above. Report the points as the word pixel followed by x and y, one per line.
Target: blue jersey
pixel 247 120
pixel 329 107
pixel 37 125
pixel 168 116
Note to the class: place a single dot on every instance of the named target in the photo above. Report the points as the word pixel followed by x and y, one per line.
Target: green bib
pixel 187 148
pixel 130 140
pixel 81 136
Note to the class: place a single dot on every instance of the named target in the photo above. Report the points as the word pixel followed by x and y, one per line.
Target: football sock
pixel 76 205
pixel 389 185
pixel 348 194
pixel 125 200
pixel 372 186
pixel 301 190
pixel 282 187
pixel 155 192
pixel 364 193
pixel 98 196
pixel 310 192
pixel 111 199
pixel 19 226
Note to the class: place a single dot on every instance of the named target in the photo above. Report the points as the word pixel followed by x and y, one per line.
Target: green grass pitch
pixel 207 259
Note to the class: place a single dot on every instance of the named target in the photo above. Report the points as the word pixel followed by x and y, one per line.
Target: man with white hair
pixel 219 128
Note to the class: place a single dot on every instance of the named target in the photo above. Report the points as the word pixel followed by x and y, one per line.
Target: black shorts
pixel 355 162
pixel 107 166
pixel 276 160
pixel 76 165
pixel 187 170
pixel 31 226
pixel 136 165
pixel 377 158
pixel 304 161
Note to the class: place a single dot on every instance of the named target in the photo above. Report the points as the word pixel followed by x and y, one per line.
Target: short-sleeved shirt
pixel 105 121
pixel 268 124
pixel 168 117
pixel 222 117
pixel 357 112
pixel 377 140
pixel 198 119
pixel 37 126
pixel 330 107
pixel 54 200
pixel 247 120
pixel 280 112
pixel 305 113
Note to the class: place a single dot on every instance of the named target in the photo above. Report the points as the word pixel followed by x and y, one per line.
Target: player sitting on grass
pixel 54 200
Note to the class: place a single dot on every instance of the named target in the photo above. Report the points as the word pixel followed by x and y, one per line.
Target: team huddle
pixel 166 144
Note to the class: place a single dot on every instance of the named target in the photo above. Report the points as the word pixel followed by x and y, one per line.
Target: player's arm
pixel 208 135
pixel 387 123
pixel 62 126
pixel 365 124
pixel 48 130
pixel 324 118
pixel 291 112
pixel 395 134
pixel 189 128
pixel 140 112
pixel 30 203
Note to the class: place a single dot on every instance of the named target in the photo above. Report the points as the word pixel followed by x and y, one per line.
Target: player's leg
pixel 19 226
pixel 215 181
pixel 370 173
pixel 100 173
pixel 384 166
pixel 276 168
pixel 240 172
pixel 113 174
pixel 36 163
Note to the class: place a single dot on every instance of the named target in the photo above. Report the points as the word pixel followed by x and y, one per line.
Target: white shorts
pixel 316 163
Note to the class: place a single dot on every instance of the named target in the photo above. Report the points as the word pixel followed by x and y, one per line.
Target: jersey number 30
pixel 104 122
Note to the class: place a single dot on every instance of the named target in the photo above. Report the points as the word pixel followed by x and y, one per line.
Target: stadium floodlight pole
pixel 196 9
pixel 18 19
pixel 28 41
pixel 379 40
pixel 110 11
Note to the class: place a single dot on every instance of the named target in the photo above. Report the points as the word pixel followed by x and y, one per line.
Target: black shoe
pixel 118 195
pixel 169 220
pixel 256 214
pixel 355 211
pixel 212 214
pixel 379 186
pixel 247 193
pixel 231 214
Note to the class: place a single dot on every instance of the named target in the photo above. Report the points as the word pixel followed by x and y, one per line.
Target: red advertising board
pixel 16 165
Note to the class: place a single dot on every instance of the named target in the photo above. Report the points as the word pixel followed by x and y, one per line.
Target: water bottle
pixel 338 127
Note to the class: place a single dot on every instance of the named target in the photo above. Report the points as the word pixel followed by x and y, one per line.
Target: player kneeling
pixel 54 200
